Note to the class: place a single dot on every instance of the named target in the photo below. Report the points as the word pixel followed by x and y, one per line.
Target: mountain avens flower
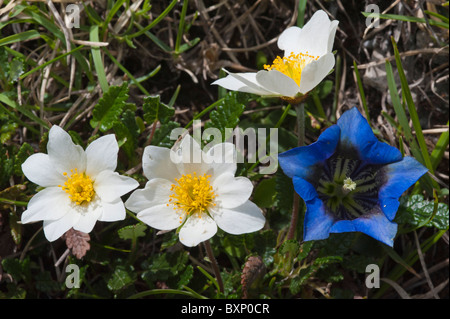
pixel 306 62
pixel 195 192
pixel 80 186
pixel 350 181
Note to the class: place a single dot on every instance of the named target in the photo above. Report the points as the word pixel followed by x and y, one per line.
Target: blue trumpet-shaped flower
pixel 350 181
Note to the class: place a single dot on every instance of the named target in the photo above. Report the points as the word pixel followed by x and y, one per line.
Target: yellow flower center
pixel 79 187
pixel 192 194
pixel 292 65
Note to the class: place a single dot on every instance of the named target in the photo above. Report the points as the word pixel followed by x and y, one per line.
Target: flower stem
pixel 214 264
pixel 300 109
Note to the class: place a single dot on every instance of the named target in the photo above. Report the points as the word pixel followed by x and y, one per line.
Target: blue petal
pixel 399 177
pixel 374 224
pixel 317 222
pixel 299 161
pixel 356 133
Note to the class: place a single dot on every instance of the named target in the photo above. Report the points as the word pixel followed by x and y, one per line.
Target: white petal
pixel 63 153
pixel 39 169
pixel 161 217
pixel 243 82
pixel 110 185
pixel 102 155
pixel 157 163
pixel 315 72
pixel 89 216
pixel 278 82
pixel 313 38
pixel 222 158
pixel 192 157
pixel 53 229
pixel 287 41
pixel 196 230
pixel 243 219
pixel 112 211
pixel 232 191
pixel 332 34
pixel 51 203
pixel 155 192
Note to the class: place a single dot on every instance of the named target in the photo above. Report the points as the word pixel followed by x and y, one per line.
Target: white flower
pixel 307 60
pixel 81 187
pixel 196 192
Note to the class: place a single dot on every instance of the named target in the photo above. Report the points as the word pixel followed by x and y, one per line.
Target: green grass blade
pixel 22 109
pixel 301 13
pixel 406 19
pixel 111 14
pixel 412 109
pixel 97 57
pixel 50 62
pixel 154 22
pixel 439 149
pixel 20 37
pixel 181 26
pixel 361 92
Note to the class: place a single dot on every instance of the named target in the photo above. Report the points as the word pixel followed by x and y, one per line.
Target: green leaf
pixel 122 276
pixel 6 165
pixel 290 246
pixel 127 130
pixel 306 273
pixel 155 110
pixel 264 194
pixel 45 282
pixel 417 212
pixel 164 266
pixel 227 113
pixel 185 277
pixel 109 107
pixel 18 269
pixel 132 231
pixel 162 134
pixel 24 152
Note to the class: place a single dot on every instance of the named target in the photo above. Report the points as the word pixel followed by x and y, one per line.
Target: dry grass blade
pixel 403 294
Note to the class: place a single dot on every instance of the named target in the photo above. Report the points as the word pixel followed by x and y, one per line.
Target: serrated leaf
pixel 164 266
pixel 24 152
pixel 127 132
pixel 291 247
pixel 109 107
pixel 306 273
pixel 132 231
pixel 121 277
pixel 18 269
pixel 155 110
pixel 6 165
pixel 227 113
pixel 186 277
pixel 45 282
pixel 162 134
pixel 417 212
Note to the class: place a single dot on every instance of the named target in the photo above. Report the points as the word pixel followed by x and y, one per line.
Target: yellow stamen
pixel 192 194
pixel 79 187
pixel 292 66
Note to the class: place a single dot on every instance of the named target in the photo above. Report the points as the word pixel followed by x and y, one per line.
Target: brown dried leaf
pixel 77 242
pixel 254 269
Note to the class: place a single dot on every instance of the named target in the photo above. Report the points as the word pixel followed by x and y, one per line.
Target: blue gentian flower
pixel 350 181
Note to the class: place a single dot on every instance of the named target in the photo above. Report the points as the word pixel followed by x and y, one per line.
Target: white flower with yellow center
pixel 195 192
pixel 307 61
pixel 81 187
